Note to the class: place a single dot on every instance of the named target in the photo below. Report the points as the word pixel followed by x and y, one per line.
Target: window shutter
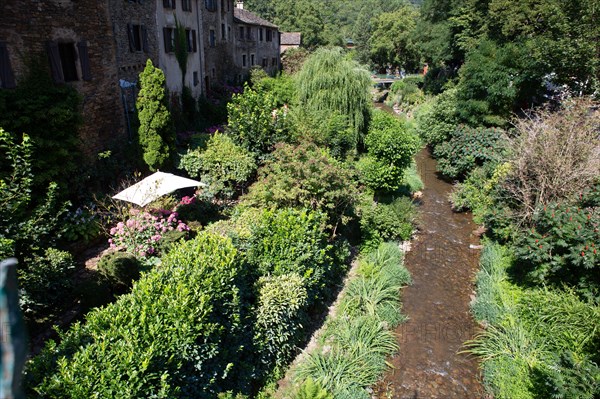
pixel 55 64
pixel 84 60
pixel 130 37
pixel 194 41
pixel 7 78
pixel 167 40
pixel 144 39
pixel 166 3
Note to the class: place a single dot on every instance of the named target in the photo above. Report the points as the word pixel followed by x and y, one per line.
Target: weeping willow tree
pixel 329 81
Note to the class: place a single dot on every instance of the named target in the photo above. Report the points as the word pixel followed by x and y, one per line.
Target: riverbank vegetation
pixel 214 293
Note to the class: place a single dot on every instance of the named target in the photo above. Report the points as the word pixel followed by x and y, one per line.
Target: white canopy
pixel 155 186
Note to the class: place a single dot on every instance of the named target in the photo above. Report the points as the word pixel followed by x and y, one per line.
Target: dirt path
pixel 443 263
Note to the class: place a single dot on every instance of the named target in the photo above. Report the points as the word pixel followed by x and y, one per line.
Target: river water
pixel 443 262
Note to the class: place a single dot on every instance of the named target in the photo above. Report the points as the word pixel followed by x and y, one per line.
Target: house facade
pixel 290 40
pixel 257 43
pixel 75 42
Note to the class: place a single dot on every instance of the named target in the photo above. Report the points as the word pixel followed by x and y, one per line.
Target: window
pixel 196 80
pixel 214 73
pixel 211 5
pixel 229 32
pixel 169 4
pixel 212 38
pixel 169 39
pixel 222 6
pixel 63 61
pixel 260 31
pixel 274 61
pixel 186 5
pixel 265 63
pixel 251 59
pixel 7 77
pixel 190 39
pixel 269 35
pixel 249 33
pixel 244 63
pixel 223 37
pixel 241 33
pixel 138 38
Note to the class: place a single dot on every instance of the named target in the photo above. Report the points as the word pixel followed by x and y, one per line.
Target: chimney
pixel 240 4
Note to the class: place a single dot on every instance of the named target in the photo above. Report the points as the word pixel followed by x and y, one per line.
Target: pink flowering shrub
pixel 140 235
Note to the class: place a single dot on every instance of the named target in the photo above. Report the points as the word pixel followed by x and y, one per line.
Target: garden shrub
pixel 223 165
pixel 280 317
pixel 306 177
pixel 291 241
pixel 156 131
pixel 120 268
pixel 563 247
pixel 255 123
pixel 406 93
pixel 437 118
pixel 381 222
pixel 310 389
pixel 173 336
pixel 555 157
pixel 45 282
pixel 390 147
pixel 325 128
pixel 282 88
pixel 468 148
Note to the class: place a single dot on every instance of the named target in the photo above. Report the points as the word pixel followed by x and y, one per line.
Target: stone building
pixel 75 41
pixel 257 43
pixel 290 40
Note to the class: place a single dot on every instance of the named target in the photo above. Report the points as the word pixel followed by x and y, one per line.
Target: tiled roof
pixel 246 17
pixel 291 38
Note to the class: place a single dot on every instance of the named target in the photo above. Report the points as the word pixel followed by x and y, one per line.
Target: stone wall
pixel 28 26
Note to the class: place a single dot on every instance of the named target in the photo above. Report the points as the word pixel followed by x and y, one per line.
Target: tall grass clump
pixel 329 81
pixel 356 341
pixel 539 342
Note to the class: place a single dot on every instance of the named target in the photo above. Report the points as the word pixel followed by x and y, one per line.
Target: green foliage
pixel 281 87
pixel 181 50
pixel 223 165
pixel 539 342
pixel 291 241
pixel 391 41
pixel 437 118
pixel 156 131
pixel 50 115
pixel 390 148
pixel 326 129
pixel 381 222
pixel 120 268
pixel 562 248
pixel 280 315
pixel 45 282
pixel 329 81
pixel 312 390
pixel 172 336
pixel 406 93
pixel 252 122
pixel 30 231
pixel 468 148
pixel 360 337
pixel 306 177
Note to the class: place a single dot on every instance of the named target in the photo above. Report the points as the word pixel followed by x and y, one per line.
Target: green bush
pixel 390 147
pixel 312 390
pixel 282 88
pixel 291 241
pixel 437 119
pixel 156 131
pixel 382 222
pixel 280 317
pixel 563 246
pixel 406 93
pixel 306 177
pixel 45 282
pixel 468 148
pixel 223 165
pixel 120 268
pixel 173 336
pixel 253 124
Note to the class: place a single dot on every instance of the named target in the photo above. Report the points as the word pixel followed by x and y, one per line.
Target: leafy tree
pixel 156 131
pixel 329 81
pixel 391 40
pixel 254 122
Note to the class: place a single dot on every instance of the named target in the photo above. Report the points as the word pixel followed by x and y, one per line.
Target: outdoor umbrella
pixel 155 186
